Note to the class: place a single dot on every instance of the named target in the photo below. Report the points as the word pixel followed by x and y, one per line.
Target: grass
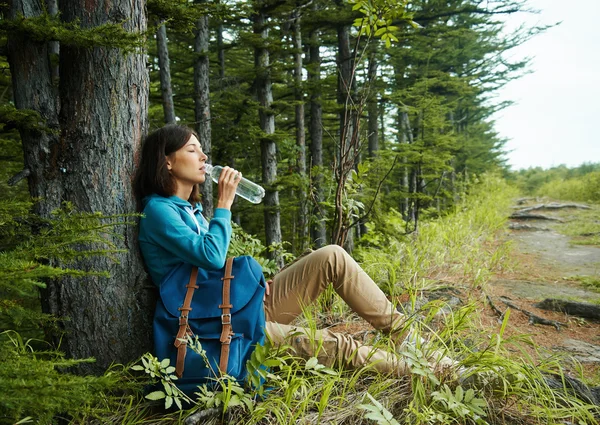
pixel 461 249
pixel 582 225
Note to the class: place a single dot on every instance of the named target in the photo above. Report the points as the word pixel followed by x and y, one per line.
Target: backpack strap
pixel 184 328
pixel 226 331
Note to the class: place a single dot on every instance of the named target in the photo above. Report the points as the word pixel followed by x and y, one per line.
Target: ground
pixel 548 265
pixel 544 264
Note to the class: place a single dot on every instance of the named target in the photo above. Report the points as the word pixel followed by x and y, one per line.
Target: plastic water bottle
pixel 248 190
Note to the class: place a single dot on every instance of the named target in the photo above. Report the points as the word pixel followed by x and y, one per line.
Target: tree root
pixel 533 319
pixel 530 216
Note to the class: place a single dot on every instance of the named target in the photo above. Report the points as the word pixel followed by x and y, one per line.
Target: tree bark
pixel 318 230
pixel 300 133
pixel 104 96
pixel 31 73
pixel 372 108
pixel 268 146
pixel 165 74
pixel 202 105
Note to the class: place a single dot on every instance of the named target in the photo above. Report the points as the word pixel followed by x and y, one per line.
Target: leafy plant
pixel 462 404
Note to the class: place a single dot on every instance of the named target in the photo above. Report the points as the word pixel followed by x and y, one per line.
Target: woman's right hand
pixel 228 182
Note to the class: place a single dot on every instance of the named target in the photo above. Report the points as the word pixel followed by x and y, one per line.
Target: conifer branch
pixel 49 28
pixel 19 176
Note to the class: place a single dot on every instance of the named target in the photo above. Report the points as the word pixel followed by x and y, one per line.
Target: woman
pixel 174 231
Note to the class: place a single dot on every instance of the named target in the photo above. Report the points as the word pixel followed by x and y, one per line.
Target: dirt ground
pixel 545 266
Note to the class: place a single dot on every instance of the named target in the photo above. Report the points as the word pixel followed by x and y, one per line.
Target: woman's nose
pixel 203 156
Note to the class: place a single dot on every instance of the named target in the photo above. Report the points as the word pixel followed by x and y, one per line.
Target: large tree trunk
pixel 268 147
pixel 31 72
pixel 318 230
pixel 202 103
pixel 165 74
pixel 300 134
pixel 104 96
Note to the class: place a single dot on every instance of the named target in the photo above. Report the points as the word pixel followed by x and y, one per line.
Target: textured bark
pixel 31 72
pixel 405 136
pixel 202 105
pixel 221 51
pixel 300 133
pixel 268 147
pixel 165 74
pixel 102 119
pixel 53 46
pixel 318 230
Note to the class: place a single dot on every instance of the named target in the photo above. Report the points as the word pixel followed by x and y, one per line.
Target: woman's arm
pixel 164 227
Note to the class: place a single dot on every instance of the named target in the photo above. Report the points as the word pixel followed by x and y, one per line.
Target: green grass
pixel 582 225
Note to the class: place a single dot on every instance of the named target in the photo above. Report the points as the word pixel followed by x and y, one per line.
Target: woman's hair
pixel 153 175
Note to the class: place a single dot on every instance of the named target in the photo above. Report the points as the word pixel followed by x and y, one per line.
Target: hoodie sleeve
pixel 165 227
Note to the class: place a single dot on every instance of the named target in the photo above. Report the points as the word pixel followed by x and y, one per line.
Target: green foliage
pixel 461 404
pixel 50 28
pixel 22 119
pixel 585 188
pixel 378 413
pixel 456 244
pixel 34 383
pixel 575 184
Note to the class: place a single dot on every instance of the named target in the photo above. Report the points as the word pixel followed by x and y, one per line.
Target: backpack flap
pixel 248 278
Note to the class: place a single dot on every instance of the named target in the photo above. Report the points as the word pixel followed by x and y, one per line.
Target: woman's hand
pixel 228 182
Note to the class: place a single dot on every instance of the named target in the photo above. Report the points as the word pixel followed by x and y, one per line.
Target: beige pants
pixel 301 284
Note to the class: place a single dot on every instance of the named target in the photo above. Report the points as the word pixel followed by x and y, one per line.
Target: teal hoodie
pixel 170 236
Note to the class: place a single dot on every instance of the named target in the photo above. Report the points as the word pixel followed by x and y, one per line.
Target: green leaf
pixel 137 367
pixel 311 363
pixel 168 402
pixel 380 31
pixel 155 395
pixel 164 363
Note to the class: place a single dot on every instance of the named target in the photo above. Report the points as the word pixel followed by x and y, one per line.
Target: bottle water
pixel 248 190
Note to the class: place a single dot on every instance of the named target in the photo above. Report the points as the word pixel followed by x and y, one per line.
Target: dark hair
pixel 153 175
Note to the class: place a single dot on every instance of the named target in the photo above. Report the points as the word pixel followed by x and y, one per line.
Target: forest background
pixel 361 119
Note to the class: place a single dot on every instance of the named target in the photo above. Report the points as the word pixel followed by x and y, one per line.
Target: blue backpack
pixel 225 313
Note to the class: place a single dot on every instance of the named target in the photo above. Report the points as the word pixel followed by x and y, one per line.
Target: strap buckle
pixel 226 340
pixel 226 319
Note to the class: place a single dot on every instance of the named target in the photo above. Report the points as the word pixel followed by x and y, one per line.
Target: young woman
pixel 173 231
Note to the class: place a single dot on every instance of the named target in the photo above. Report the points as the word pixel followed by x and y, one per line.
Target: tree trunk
pixel 31 72
pixel 53 46
pixel 300 134
pixel 405 137
pixel 104 97
pixel 165 74
pixel 318 230
pixel 372 108
pixel 202 105
pixel 268 147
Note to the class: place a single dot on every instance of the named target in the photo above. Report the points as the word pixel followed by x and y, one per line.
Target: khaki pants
pixel 301 284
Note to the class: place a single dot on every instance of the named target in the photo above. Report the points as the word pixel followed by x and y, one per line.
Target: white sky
pixel 556 117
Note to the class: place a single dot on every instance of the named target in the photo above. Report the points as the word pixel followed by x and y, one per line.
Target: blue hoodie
pixel 170 236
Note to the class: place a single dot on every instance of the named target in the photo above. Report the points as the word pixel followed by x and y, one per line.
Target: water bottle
pixel 248 190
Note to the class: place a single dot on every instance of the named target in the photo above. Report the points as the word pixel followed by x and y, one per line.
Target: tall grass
pixel 486 386
pixel 461 246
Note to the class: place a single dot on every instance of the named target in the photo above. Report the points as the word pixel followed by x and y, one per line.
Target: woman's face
pixel 187 164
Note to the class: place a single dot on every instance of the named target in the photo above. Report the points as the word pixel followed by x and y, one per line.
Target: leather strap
pixel 226 331
pixel 184 328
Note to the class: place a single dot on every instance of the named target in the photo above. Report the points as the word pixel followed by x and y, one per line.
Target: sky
pixel 556 116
